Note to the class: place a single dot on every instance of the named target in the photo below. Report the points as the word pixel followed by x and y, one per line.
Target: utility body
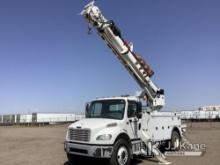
pixel 120 127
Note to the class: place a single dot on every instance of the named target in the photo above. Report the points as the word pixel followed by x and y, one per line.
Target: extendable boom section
pixel 134 63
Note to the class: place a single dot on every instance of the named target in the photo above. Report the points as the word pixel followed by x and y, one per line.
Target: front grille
pixel 79 134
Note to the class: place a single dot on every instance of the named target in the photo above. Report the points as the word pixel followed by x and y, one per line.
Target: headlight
pixel 104 137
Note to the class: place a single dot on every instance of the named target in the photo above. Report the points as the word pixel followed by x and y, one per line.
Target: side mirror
pixel 139 110
pixel 87 109
pixel 139 115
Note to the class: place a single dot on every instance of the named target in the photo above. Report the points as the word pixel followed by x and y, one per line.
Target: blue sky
pixel 48 62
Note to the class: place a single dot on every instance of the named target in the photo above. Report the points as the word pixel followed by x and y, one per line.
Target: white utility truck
pixel 119 128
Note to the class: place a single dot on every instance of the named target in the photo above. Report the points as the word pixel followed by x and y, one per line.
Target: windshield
pixel 111 109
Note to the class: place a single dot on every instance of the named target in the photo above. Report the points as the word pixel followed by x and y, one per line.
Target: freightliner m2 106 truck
pixel 118 128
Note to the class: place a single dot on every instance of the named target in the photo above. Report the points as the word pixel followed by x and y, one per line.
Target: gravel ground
pixel 44 146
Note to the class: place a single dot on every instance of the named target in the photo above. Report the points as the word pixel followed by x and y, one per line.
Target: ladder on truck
pixel 133 62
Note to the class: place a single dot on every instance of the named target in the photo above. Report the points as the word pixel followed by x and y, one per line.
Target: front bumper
pixel 89 150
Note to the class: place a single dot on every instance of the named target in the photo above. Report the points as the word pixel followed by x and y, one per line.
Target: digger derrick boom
pixel 134 63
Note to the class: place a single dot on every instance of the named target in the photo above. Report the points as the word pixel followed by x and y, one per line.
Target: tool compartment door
pixel 159 125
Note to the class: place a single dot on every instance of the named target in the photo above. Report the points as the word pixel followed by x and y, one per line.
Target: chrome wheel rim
pixel 176 143
pixel 122 155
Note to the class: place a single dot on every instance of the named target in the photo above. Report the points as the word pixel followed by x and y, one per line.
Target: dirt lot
pixel 44 146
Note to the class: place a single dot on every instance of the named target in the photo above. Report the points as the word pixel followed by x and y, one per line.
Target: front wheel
pixel 121 153
pixel 73 159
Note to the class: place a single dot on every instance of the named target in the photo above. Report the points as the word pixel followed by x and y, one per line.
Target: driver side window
pixel 132 109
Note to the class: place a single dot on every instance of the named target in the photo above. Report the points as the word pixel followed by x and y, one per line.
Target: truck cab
pixel 112 128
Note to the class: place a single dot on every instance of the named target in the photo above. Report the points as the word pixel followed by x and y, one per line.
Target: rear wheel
pixel 121 154
pixel 175 141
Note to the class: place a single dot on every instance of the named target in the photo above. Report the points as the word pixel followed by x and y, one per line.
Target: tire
pixel 121 153
pixel 175 141
pixel 73 159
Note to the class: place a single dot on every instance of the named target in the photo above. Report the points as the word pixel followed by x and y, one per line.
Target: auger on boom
pixel 133 62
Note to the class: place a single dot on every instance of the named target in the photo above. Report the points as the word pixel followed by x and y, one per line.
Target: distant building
pixel 210 108
pixel 49 118
pixel 210 112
